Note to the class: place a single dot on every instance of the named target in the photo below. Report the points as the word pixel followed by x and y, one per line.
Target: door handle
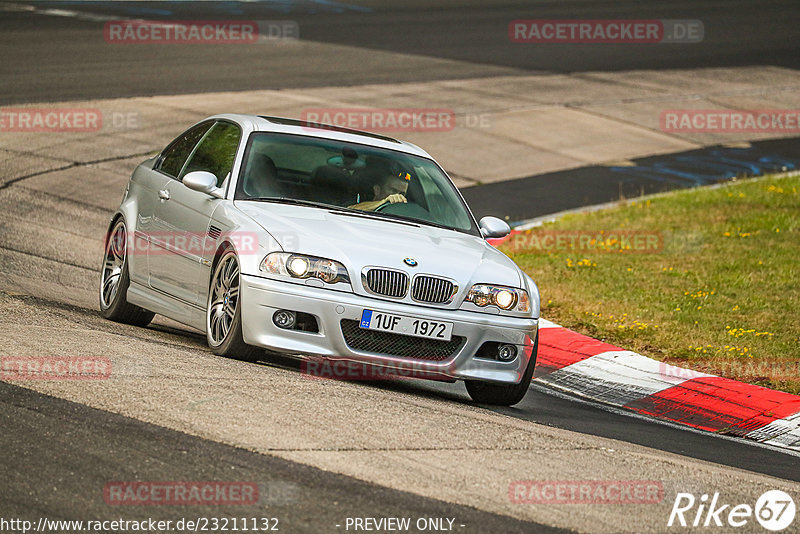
pixel 163 194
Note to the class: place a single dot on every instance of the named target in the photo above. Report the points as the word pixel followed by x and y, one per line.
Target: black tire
pixel 114 281
pixel 227 340
pixel 504 394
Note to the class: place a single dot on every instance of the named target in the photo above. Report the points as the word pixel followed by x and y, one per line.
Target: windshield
pixel 326 172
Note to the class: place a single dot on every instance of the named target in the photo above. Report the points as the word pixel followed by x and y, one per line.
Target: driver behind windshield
pixel 389 189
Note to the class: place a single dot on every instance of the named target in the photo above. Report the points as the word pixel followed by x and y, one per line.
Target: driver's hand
pixel 395 199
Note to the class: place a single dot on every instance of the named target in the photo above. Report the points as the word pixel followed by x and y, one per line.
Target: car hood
pixel 363 240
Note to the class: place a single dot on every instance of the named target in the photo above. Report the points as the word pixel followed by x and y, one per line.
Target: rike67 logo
pixel 774 510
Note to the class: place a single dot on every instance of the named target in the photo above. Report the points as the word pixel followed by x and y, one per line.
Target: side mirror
pixel 494 227
pixel 204 182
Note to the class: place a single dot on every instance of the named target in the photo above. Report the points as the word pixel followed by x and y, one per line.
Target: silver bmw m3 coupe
pixel 325 244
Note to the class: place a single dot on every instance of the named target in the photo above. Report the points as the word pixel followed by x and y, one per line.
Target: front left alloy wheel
pixel 224 312
pixel 114 281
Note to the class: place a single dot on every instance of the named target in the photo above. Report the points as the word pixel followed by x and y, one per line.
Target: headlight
pixel 302 266
pixel 505 298
pixel 298 266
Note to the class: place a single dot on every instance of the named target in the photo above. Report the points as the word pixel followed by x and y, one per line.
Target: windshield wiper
pixel 378 217
pixel 298 202
pixel 410 219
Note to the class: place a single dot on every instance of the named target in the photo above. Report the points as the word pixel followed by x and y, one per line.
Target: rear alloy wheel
pixel 224 314
pixel 114 281
pixel 503 394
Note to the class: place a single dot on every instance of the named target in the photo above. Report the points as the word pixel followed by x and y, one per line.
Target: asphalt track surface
pixel 542 406
pixel 49 442
pixel 57 58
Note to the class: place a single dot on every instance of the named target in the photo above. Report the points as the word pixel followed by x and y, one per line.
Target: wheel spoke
pixel 221 324
pixel 216 334
pixel 223 272
pixel 114 264
pixel 228 274
pixel 111 280
pixel 218 289
pixel 217 328
pixel 226 325
pixel 223 299
pixel 110 288
pixel 118 246
pixel 234 278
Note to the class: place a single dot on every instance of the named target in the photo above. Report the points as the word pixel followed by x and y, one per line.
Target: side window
pixel 179 150
pixel 216 152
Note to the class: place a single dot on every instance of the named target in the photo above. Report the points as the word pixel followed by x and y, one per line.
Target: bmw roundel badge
pixel 411 262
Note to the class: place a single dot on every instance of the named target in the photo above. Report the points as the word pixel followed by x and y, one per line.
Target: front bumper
pixel 260 298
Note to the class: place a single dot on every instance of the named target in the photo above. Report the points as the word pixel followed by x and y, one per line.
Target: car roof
pixel 264 123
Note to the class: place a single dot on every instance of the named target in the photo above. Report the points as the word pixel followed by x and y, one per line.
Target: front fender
pixel 250 241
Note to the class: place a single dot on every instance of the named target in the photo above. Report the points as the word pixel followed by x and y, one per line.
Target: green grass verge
pixel 707 279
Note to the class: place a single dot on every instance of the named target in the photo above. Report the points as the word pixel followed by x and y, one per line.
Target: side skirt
pixel 168 306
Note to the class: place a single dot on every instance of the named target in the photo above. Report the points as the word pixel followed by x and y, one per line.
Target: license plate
pixel 407 326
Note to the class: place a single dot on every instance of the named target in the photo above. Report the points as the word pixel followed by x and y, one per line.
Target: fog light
pixel 506 353
pixel 284 319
